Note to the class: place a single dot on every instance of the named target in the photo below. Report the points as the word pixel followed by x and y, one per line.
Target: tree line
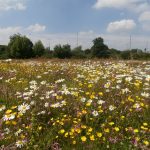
pixel 21 47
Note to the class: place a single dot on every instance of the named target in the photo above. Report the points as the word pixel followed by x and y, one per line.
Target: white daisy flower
pixel 95 113
pixel 111 107
pixel 23 108
pixel 100 102
pixel 20 143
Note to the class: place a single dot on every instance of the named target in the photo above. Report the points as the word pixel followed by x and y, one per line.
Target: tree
pixel 20 47
pixel 38 49
pixel 99 49
pixel 3 52
pixel 77 52
pixel 62 51
pixel 115 54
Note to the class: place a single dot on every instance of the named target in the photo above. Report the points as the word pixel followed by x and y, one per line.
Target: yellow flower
pixel 99 134
pixel 122 117
pixel 92 138
pixel 107 130
pixel 136 130
pixel 8 111
pixel 66 134
pixel 61 123
pixel 90 130
pixel 146 143
pixel 61 131
pixel 83 138
pixel 78 130
pixel 7 122
pixel 90 85
pixel 104 139
pixel 137 138
pixel 145 124
pixel 116 129
pixel 84 112
pixel 22 136
pixel 70 133
pixel 111 123
pixel 14 122
pixel 19 115
pixel 72 130
pixel 39 128
pixel 92 97
pixel 88 104
pixel 130 99
pixel 87 93
pixel 13 107
pixel 83 126
pixel 100 93
pixel 74 142
pixel 142 127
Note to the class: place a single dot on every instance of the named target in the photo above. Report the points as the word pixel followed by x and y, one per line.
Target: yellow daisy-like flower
pixel 116 129
pixel 122 117
pixel 83 138
pixel 13 107
pixel 39 128
pixel 92 97
pixel 84 112
pixel 8 111
pixel 88 104
pixel 14 122
pixel 99 134
pixel 90 85
pixel 83 126
pixel 61 131
pixel 146 143
pixel 111 123
pixel 66 134
pixel 74 142
pixel 100 93
pixel 92 138
pixel 90 130
pixel 107 130
pixel 78 130
pixel 145 124
pixel 87 93
pixel 136 130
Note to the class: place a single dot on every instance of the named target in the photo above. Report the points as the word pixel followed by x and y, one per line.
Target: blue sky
pixel 59 21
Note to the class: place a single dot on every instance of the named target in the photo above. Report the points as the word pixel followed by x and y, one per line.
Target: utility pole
pixel 130 42
pixel 146 48
pixel 131 47
pixel 77 39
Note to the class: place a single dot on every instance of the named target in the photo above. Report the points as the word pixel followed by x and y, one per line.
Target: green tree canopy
pixel 99 49
pixel 38 49
pixel 62 51
pixel 20 47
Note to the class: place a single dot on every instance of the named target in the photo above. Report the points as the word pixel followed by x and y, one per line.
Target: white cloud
pixel 144 19
pixel 146 26
pixel 6 32
pixel 36 28
pixel 112 40
pixel 86 32
pixel 133 5
pixel 145 16
pixel 6 5
pixel 121 26
pixel 10 30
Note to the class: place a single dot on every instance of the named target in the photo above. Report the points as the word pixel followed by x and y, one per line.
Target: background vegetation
pixel 22 47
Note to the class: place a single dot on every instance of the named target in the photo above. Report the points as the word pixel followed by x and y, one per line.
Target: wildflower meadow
pixel 74 105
